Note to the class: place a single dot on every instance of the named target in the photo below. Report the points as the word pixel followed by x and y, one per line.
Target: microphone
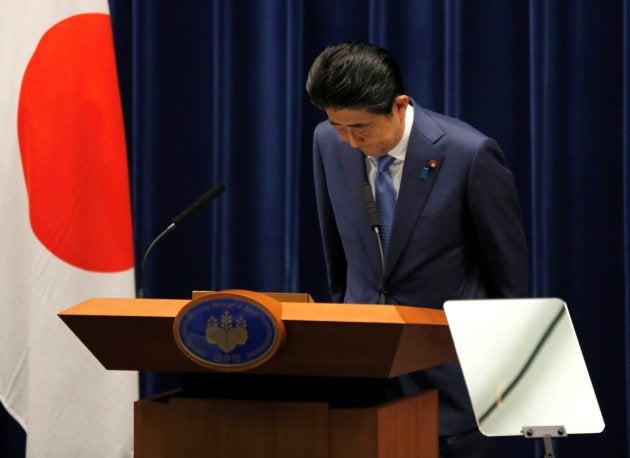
pixel 197 205
pixel 175 223
pixel 370 207
pixel 375 223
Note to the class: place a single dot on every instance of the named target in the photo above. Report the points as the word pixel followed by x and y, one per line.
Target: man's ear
pixel 400 105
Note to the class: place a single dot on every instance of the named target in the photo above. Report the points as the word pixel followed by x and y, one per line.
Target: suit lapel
pixel 416 184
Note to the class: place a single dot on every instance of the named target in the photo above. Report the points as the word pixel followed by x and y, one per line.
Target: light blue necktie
pixel 385 197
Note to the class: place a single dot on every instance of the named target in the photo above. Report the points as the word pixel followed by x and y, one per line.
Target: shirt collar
pixel 400 150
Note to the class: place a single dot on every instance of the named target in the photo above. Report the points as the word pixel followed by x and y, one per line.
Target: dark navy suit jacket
pixel 457 234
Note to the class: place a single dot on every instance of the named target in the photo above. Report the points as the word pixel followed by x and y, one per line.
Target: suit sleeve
pixel 333 249
pixel 496 213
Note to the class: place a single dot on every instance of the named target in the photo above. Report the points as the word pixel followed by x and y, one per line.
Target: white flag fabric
pixel 65 225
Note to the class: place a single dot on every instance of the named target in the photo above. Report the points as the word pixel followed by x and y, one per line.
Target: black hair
pixel 355 75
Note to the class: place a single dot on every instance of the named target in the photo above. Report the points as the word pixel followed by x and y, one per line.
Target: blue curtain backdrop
pixel 213 92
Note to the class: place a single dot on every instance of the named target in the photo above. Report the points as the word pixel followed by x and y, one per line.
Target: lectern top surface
pixel 291 311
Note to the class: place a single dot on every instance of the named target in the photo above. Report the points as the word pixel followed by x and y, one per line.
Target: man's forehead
pixel 351 117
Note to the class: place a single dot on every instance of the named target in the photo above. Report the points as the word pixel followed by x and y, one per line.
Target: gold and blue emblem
pixel 232 330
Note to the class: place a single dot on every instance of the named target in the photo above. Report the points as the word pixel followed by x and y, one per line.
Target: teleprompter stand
pixel 546 434
pixel 523 365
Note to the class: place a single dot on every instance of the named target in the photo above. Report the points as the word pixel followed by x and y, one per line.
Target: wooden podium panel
pixel 171 427
pixel 404 428
pixel 185 427
pixel 330 340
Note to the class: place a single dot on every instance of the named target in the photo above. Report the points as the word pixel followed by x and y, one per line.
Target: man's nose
pixel 353 139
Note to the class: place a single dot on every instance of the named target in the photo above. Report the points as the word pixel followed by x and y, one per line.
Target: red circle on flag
pixel 72 143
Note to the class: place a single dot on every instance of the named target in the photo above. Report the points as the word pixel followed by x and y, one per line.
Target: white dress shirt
pixel 398 152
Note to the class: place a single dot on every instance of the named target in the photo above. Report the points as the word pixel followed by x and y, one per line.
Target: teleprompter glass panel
pixel 523 365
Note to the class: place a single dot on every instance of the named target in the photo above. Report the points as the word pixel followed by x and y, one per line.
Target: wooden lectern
pixel 325 393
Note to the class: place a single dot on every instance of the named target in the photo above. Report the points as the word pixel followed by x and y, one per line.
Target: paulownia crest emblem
pixel 227 334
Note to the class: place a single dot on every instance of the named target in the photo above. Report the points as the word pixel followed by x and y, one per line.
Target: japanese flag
pixel 65 224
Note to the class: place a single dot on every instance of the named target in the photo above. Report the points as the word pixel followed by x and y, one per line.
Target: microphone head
pixel 199 203
pixel 370 206
pixel 216 191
